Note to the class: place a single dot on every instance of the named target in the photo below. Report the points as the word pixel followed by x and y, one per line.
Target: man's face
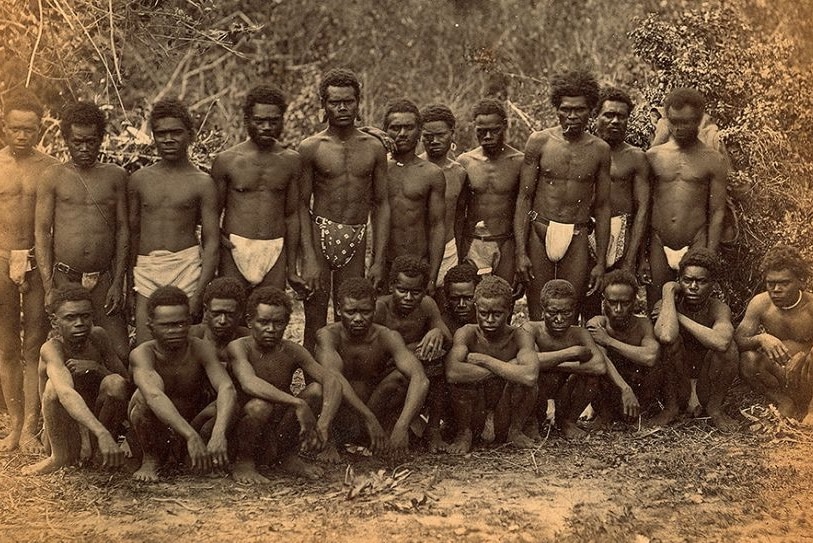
pixel 460 302
pixel 268 325
pixel 403 128
pixel 695 284
pixel 264 125
pixel 492 315
pixel 84 143
pixel 573 114
pixel 407 293
pixel 783 287
pixel 170 326
pixel 684 123
pixel 220 317
pixel 618 304
pixel 21 131
pixel 611 122
pixel 559 315
pixel 341 106
pixel 490 132
pixel 437 139
pixel 172 138
pixel 73 321
pixel 357 316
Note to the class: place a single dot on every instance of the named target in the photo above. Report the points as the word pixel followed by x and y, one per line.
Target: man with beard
pixel 22 297
pixel 86 384
pixel 629 344
pixel 458 293
pixel 364 352
pixel 697 338
pixel 258 192
pixel 775 336
pixel 565 181
pixel 81 222
pixel 345 173
pixel 688 191
pixel 223 303
pixel 489 194
pixel 415 189
pixel 438 136
pixel 174 374
pixel 167 202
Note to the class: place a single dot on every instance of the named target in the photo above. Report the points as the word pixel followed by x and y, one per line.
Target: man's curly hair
pixel 356 288
pixel 702 258
pixel 784 257
pixel 339 77
pixel 685 96
pixel 411 266
pixel 268 296
pixel 168 295
pixel 557 289
pixel 72 292
pixel 493 286
pixel 489 106
pixel 574 83
pixel 438 112
pixel 225 288
pixel 620 277
pixel 462 273
pixel 402 105
pixel 174 109
pixel 614 94
pixel 264 94
pixel 84 114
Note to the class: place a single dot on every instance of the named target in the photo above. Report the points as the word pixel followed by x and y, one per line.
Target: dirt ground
pixel 687 482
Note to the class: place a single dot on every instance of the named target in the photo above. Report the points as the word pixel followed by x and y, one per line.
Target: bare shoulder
pixel 466 158
pixel 430 306
pixel 760 303
pixel 115 173
pixel 99 336
pixel 44 159
pixel 329 334
pixel 598 320
pixel 513 155
pixel 464 334
pixel 577 335
pixel 299 353
pixel 720 309
pixel 143 356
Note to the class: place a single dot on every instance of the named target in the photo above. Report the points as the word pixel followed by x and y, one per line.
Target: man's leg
pixel 468 410
pixel 63 435
pixel 576 394
pixel 11 366
pixel 316 304
pixel 114 324
pixel 276 275
pixel 387 399
pixel 437 400
pixel 111 403
pixel 142 332
pixel 677 386
pixel 514 409
pixel 152 436
pixel 35 331
pixel 505 267
pixel 767 378
pixel 252 433
pixel 659 270
pixel 543 270
pixel 573 266
pixel 716 376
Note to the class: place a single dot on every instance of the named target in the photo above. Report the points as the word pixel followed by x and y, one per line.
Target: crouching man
pixel 85 384
pixel 776 335
pixel 173 373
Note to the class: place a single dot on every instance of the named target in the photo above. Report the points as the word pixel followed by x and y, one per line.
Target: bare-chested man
pixel 565 182
pixel 408 311
pixel 437 136
pixel 174 374
pixel 629 344
pixel 224 300
pixel 21 169
pixel 415 190
pixel 688 181
pixel 458 295
pixel 345 171
pixel 697 338
pixel 82 233
pixel 776 335
pixel 492 367
pixel 167 202
pixel 275 424
pixel 486 203
pixel 258 191
pixel 569 360
pixel 364 353
pixel 85 386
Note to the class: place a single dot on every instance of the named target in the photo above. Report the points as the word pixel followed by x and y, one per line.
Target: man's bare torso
pixel 18 196
pixel 625 163
pixel 409 187
pixel 185 380
pixel 494 185
pixel 412 327
pixel 794 327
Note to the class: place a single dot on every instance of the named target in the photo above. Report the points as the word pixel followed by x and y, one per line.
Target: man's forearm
pixel 416 394
pixel 165 411
pixel 331 398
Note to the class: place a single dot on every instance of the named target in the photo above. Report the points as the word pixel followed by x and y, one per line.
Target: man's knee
pixel 49 395
pixel 751 364
pixel 114 386
pixel 257 409
pixel 312 394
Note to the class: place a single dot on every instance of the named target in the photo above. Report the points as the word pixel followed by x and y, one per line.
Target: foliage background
pixel 752 59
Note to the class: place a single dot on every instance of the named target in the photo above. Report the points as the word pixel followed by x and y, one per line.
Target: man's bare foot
pixel 329 455
pixel 807 420
pixel 461 444
pixel 435 440
pixel 10 442
pixel 488 428
pixel 148 472
pixel 30 443
pixel 245 471
pixel 602 421
pixel 723 422
pixel 519 439
pixel 294 465
pixel 571 431
pixel 787 408
pixel 43 467
pixel 664 418
pixel 86 448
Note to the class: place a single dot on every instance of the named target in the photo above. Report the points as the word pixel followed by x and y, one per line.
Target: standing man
pixel 82 234
pixel 489 194
pixel 776 335
pixel 416 190
pixel 688 190
pixel 21 168
pixel 438 135
pixel 167 202
pixel 258 192
pixel 345 172
pixel 565 182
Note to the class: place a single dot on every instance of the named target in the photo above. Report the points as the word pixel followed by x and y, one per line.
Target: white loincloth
pixel 618 239
pixel 255 257
pixel 673 256
pixel 161 268
pixel 20 262
pixel 557 239
pixel 449 260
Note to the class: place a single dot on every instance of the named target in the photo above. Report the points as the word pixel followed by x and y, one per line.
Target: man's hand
pixel 313 274
pixel 322 434
pixel 299 285
pixel 671 288
pixel 378 438
pixel 599 333
pixel 431 346
pixel 628 263
pixel 130 307
pixel 218 451
pixel 376 275
pixel 644 272
pixel 399 442
pixel 774 349
pixel 631 406
pixel 524 268
pixel 112 455
pixel 478 359
pixel 307 427
pixel 380 135
pixel 114 301
pixel 595 279
pixel 198 453
pixel 225 242
pixel 81 366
